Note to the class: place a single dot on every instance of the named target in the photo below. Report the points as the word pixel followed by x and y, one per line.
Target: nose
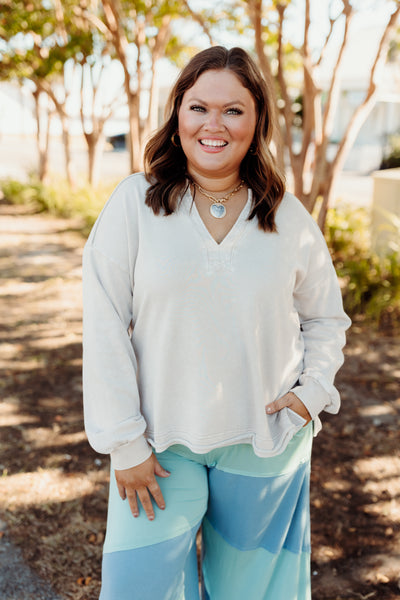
pixel 214 121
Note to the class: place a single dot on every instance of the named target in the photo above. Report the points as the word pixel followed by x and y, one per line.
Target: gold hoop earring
pixel 173 140
pixel 252 149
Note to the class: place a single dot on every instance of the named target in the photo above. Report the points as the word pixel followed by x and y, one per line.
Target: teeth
pixel 213 143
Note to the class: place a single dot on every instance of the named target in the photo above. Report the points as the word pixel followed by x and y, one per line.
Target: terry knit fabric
pixel 186 340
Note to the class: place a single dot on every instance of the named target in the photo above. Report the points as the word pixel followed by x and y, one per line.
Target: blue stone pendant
pixel 218 210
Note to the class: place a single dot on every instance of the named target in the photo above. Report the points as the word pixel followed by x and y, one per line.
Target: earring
pixel 173 139
pixel 252 149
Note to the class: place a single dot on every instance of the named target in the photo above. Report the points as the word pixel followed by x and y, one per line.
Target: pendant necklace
pixel 217 208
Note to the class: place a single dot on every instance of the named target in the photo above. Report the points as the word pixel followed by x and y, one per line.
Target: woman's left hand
pixel 291 401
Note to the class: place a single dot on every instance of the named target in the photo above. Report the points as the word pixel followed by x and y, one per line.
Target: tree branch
pixel 309 92
pixel 113 24
pixel 200 20
pixel 119 40
pixel 362 111
pixel 81 112
pixel 98 23
pixel 333 93
pixel 286 110
pixel 59 12
pixel 255 13
pixel 332 22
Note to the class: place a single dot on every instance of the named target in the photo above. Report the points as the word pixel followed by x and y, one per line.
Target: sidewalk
pixel 17 580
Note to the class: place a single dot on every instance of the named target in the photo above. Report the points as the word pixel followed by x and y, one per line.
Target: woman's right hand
pixel 140 481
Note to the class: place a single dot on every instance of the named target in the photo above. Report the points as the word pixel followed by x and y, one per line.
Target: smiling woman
pixel 234 76
pixel 216 129
pixel 213 329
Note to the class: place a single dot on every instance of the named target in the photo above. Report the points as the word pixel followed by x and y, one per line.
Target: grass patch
pixel 58 198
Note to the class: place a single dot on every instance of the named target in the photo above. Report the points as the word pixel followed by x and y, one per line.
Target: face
pixel 216 124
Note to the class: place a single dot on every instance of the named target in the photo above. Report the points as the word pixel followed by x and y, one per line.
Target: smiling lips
pixel 214 144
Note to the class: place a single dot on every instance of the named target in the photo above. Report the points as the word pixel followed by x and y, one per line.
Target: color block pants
pixel 255 522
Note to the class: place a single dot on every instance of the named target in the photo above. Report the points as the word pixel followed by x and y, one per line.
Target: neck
pixel 216 184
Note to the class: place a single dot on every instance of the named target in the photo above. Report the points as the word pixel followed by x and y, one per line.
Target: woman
pixel 213 329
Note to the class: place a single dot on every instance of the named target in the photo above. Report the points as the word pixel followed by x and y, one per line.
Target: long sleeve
pixel 113 420
pixel 186 340
pixel 318 301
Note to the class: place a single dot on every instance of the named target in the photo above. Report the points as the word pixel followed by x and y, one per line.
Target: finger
pixel 147 504
pixel 121 490
pixel 275 406
pixel 133 503
pixel 160 471
pixel 157 495
pixel 299 407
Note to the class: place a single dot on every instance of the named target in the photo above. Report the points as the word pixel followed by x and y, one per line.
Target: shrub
pixel 391 158
pixel 58 198
pixel 371 284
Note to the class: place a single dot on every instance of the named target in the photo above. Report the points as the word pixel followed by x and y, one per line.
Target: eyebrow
pixel 225 105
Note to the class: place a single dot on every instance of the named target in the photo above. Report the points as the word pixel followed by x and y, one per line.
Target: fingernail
pixel 135 515
pixel 269 409
pixel 151 518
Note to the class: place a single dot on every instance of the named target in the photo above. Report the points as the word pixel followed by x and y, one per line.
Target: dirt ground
pixel 53 489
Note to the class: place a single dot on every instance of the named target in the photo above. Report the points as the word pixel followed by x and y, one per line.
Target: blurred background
pixel 83 84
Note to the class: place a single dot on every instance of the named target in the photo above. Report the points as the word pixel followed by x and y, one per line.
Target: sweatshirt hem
pixel 263 447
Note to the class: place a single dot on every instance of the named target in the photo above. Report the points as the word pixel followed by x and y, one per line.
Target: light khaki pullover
pixel 187 340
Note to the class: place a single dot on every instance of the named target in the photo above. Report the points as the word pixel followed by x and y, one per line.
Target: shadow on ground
pixel 54 487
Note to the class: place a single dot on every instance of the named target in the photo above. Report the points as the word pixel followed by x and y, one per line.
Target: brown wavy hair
pixel 165 163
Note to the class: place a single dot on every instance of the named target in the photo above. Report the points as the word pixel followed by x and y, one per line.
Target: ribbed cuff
pixel 131 454
pixel 314 397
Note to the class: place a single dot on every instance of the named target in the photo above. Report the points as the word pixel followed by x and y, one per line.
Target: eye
pixel 234 111
pixel 197 108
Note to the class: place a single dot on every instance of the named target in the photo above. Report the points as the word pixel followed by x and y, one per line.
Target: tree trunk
pixel 113 19
pixel 95 145
pixel 67 147
pixel 151 122
pixel 327 197
pixel 44 152
pixel 42 138
pixel 43 86
pixel 160 43
pixel 255 13
pixel 134 145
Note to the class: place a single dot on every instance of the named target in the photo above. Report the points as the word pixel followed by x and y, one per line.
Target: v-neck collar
pixel 233 234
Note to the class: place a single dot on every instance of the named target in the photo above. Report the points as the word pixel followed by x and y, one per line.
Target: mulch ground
pixel 53 489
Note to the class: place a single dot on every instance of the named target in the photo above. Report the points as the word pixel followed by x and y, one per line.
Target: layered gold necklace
pixel 217 208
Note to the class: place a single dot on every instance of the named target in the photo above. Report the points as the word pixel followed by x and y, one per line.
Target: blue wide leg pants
pixel 254 514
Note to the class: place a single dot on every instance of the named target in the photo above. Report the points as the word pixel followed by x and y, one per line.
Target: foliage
pixel 371 284
pixel 58 198
pixel 36 47
pixel 391 159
